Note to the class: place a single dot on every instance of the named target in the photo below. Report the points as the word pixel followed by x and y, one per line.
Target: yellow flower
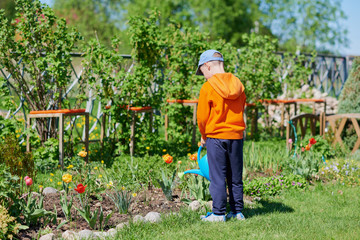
pixel 164 150
pixel 78 125
pixel 59 183
pixel 100 176
pixel 69 187
pixel 111 183
pixel 147 148
pixel 67 178
pixel 123 188
pixel 70 166
pixel 82 154
pixel 134 194
pixel 51 174
pixel 51 180
pixel 95 168
pixel 102 161
pixel 59 165
pixel 41 186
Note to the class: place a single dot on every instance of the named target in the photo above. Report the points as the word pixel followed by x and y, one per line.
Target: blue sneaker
pixel 238 216
pixel 212 217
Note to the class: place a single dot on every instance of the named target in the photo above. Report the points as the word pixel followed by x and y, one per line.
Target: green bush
pixel 20 163
pixel 46 157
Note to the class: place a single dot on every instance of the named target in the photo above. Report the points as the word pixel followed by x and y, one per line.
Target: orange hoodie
pixel 221 107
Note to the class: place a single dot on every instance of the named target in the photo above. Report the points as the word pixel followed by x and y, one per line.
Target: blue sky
pixel 352 23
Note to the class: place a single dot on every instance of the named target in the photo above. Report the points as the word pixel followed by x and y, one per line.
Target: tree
pixel 39 43
pixel 349 100
pixel 93 18
pixel 310 24
pixel 9 8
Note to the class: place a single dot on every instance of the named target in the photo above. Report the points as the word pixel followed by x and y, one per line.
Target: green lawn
pixel 322 212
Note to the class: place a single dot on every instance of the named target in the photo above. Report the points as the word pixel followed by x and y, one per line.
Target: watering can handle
pixel 199 151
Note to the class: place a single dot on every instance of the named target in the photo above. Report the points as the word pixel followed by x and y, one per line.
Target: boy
pixel 221 124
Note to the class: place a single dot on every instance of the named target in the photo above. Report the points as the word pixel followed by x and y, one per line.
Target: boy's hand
pixel 203 142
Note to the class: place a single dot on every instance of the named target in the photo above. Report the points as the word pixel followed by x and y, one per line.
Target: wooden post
pixel 282 119
pixel 150 122
pixel 295 106
pixel 28 146
pixel 61 140
pixel 194 125
pixel 132 136
pixel 166 126
pixel 288 129
pixel 313 108
pixel 322 124
pixel 87 124
pixel 102 130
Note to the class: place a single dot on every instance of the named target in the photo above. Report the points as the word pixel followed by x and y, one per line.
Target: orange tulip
pixel 307 147
pixel 167 158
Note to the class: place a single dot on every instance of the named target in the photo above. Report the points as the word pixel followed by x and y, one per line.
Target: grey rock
pixel 138 218
pixel 209 204
pixel 100 235
pixel 195 205
pixel 85 234
pixel 121 225
pixel 153 217
pixel 49 190
pixel 35 194
pixel 70 235
pixel 49 236
pixel 111 232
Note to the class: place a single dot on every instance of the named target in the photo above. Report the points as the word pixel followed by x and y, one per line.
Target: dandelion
pixel 59 183
pixel 51 180
pixel 147 148
pixel 100 176
pixel 95 168
pixel 123 188
pixel 102 161
pixel 70 166
pixel 164 150
pixel 51 174
pixel 134 194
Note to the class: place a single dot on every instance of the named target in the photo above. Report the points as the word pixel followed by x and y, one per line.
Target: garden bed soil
pixel 146 201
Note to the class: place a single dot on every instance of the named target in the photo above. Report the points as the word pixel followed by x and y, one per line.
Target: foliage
pixel 66 205
pixel 349 99
pixel 92 18
pixel 345 171
pixel 270 186
pixel 306 23
pixel 19 162
pixel 94 219
pixel 167 184
pixel 33 212
pixel 46 157
pixel 305 164
pixel 9 7
pixel 121 198
pixel 42 42
pixel 199 188
pixel 8 224
pixel 9 195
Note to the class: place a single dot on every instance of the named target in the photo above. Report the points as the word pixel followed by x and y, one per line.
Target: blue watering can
pixel 203 164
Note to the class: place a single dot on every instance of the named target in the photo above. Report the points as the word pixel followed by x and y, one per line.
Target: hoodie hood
pixel 227 85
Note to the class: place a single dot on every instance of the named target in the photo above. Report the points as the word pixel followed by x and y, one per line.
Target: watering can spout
pixel 203 164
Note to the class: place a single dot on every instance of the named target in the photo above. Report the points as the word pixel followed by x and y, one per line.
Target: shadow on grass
pixel 267 207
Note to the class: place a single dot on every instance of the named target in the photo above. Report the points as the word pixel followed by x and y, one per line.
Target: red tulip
pixel 312 141
pixel 80 188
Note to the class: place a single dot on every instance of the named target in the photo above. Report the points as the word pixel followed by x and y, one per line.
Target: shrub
pixel 19 162
pixel 345 171
pixel 8 225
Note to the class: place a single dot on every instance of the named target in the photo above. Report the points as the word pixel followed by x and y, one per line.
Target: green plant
pixel 20 163
pixel 66 205
pixel 93 217
pixel 8 224
pixel 345 171
pixel 273 185
pixel 121 198
pixel 46 157
pixel 167 184
pixel 33 211
pixel 199 188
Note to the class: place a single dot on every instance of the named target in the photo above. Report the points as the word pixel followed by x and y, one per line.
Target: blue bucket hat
pixel 207 56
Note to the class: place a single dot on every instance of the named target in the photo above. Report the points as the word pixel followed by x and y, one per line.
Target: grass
pixel 321 212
